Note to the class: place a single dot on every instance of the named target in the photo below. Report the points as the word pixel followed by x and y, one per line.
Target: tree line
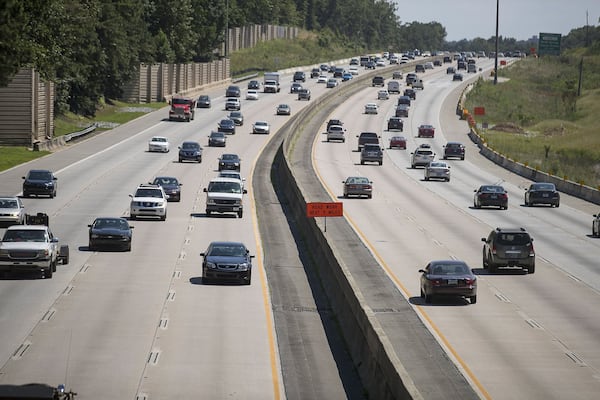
pixel 91 48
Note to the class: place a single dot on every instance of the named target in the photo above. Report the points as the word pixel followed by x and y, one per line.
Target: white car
pixel 428 65
pixel 261 127
pixel 322 79
pixel 252 94
pixel 233 103
pixel 353 70
pixel 371 108
pixel 148 201
pixel 12 211
pixel 437 170
pixel 380 63
pixel 383 95
pixel 336 132
pixel 332 82
pixel 159 144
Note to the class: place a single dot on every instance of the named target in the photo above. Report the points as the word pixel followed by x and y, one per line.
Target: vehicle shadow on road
pixel 440 301
pixel 500 271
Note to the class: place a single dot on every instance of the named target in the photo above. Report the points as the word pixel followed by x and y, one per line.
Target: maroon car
pixel 426 131
pixel 398 142
pixel 448 278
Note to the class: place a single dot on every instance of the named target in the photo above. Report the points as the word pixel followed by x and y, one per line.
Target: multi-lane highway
pixel 142 324
pixel 529 336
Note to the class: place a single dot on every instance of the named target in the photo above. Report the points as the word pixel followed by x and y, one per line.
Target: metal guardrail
pixel 83 132
pixel 244 78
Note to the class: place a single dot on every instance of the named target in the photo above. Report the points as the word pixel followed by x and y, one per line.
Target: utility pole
pixel 496 58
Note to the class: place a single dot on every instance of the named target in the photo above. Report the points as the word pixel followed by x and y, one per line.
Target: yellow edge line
pixel 265 289
pixel 403 288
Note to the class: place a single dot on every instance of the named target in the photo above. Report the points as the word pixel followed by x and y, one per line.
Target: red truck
pixel 182 108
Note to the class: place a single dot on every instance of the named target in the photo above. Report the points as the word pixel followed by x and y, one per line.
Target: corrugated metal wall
pixel 26 109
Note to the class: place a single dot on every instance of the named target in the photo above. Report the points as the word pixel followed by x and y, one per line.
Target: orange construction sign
pixel 324 209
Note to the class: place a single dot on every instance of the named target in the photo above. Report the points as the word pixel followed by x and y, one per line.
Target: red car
pixel 426 131
pixel 398 142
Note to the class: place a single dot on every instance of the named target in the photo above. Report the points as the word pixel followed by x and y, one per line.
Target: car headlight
pixel 95 236
pixel 43 253
pixel 3 253
pixel 243 267
pixel 210 265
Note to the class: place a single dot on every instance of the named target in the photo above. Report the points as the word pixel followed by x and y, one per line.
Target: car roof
pixel 224 179
pixel 27 227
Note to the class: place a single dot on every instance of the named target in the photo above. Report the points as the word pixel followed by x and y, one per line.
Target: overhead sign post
pixel 324 209
pixel 549 43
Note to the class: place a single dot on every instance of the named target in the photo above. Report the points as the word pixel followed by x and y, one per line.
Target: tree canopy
pixel 90 48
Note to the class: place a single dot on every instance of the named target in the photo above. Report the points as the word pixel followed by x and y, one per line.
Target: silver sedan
pixel 12 211
pixel 437 170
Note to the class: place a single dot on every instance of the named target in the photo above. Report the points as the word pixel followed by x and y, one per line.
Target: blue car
pixel 346 76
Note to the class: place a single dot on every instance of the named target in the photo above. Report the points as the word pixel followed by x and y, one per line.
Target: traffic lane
pixel 428 246
pixel 143 166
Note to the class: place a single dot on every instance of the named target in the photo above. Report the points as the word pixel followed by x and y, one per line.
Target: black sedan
pixel 448 278
pixel 542 193
pixel 230 261
pixel 170 185
pixel 227 126
pixel 110 233
pixel 237 117
pixel 230 161
pixel 203 101
pixel 490 196
pixel 216 139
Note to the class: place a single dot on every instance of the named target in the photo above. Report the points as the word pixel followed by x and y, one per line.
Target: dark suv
pixel 508 247
pixel 191 151
pixel 371 153
pixel 367 137
pixel 378 81
pixel 227 261
pixel 395 123
pixel 233 91
pixel 454 149
pixel 299 76
pixel 39 182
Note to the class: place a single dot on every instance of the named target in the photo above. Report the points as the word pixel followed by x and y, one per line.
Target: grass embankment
pixel 308 48
pixel 536 117
pixel 108 116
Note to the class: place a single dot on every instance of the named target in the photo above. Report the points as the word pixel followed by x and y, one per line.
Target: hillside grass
pixel 308 48
pixel 536 118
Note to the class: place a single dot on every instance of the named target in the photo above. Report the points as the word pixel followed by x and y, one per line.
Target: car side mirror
pixel 205 190
pixel 483 239
pixel 131 196
pixel 89 226
pixel 422 271
pixel 244 191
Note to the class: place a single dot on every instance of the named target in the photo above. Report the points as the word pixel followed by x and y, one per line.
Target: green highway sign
pixel 549 43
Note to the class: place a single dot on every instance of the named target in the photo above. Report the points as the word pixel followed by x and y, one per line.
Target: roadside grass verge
pixel 11 156
pixel 111 114
pixel 308 48
pixel 537 119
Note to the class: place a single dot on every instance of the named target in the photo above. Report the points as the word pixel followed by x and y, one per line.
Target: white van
pixel 393 87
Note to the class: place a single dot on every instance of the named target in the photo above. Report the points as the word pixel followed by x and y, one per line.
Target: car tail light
pixel 494 249
pixel 469 281
pixel 436 282
pixel 531 250
pixel 368 187
pixel 504 196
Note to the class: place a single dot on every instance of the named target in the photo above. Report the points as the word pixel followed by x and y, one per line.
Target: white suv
pixel 421 157
pixel 148 201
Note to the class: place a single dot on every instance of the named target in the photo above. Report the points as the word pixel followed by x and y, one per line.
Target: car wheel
pixel 128 248
pixel 531 269
pixel 345 195
pixel 180 160
pixel 422 294
pixel 473 299
pixel 132 217
pixel 526 203
pixel 447 179
pixel 380 162
pixel 327 140
pixel 48 272
pixel 492 267
pixel 52 194
pixel 362 162
pixel 426 178
pixel 249 280
pixel 428 298
pixel 206 280
pixel 64 254
pixel 164 217
pixel 557 205
pixel 208 212
pixel 240 214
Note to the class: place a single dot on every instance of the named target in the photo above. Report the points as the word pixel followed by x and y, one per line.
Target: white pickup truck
pixel 224 195
pixel 31 248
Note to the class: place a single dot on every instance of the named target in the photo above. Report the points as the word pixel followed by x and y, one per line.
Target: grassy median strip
pixel 537 118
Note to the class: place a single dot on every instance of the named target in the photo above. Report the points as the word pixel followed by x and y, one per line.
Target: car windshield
pixel 180 101
pixel 40 175
pixel 165 180
pixel 116 223
pixel 148 193
pixel 449 269
pixel 228 251
pixel 224 187
pixel 493 189
pixel 437 165
pixel 159 139
pixel 513 239
pixel 542 186
pixel 217 135
pixel 203 98
pixel 190 146
pixel 357 180
pixel 24 235
pixel 229 157
pixel 8 203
